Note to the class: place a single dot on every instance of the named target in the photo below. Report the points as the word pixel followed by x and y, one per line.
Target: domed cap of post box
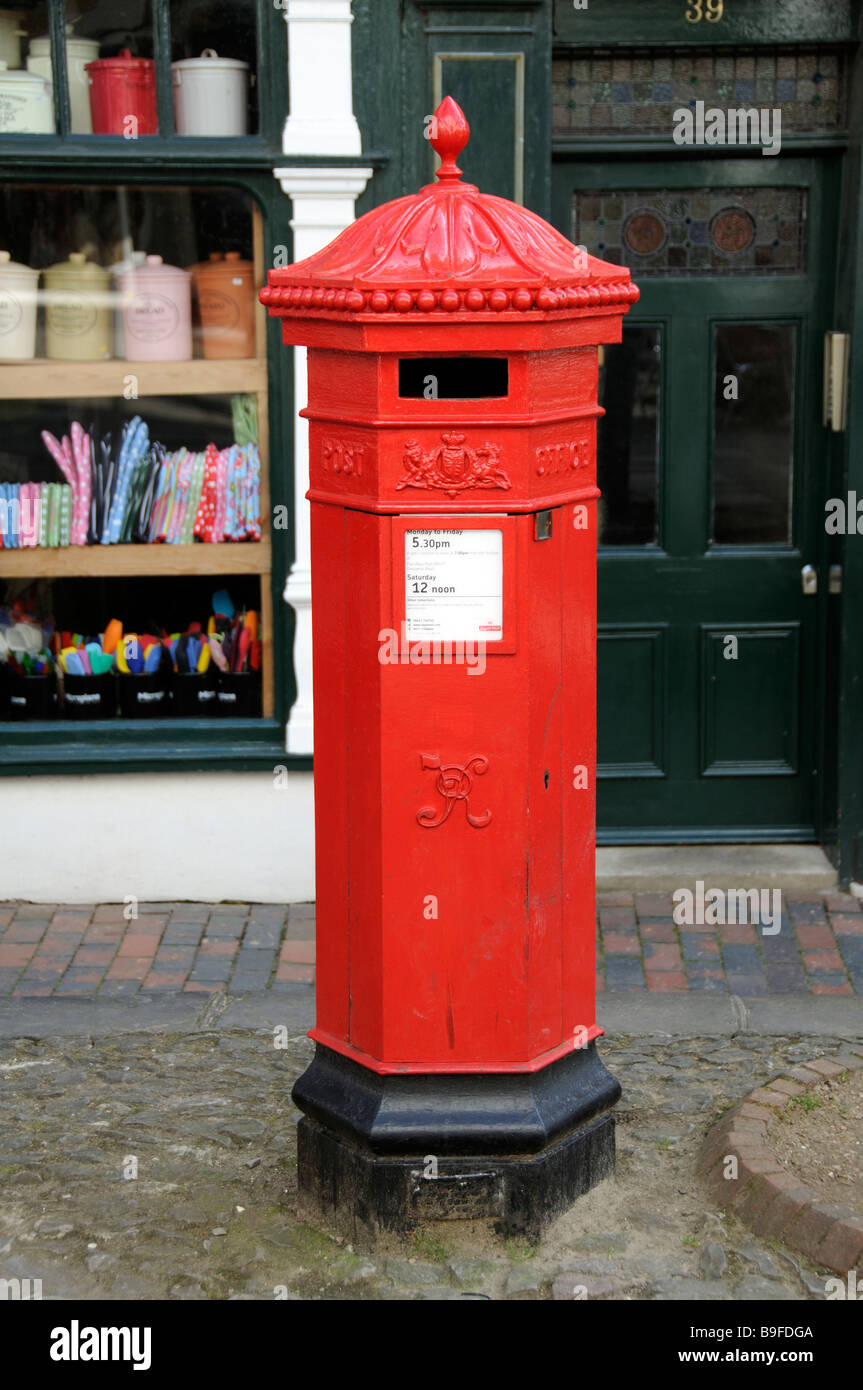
pixel 447 253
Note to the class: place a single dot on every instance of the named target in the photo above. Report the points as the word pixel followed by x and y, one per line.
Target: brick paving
pixel 165 948
pixel 818 949
pixel 772 1201
pixel 50 949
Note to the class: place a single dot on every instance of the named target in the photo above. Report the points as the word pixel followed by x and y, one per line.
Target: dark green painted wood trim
pixel 822 450
pixel 162 58
pixel 848 474
pixel 685 835
pixel 272 75
pixel 376 41
pixel 492 7
pixel 663 147
pixel 57 30
pixel 394 43
pixel 691 169
pixel 125 159
pixel 663 23
pixel 169 748
pixel 112 733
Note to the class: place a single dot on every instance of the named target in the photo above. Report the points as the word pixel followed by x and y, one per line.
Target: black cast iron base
pixel 378 1153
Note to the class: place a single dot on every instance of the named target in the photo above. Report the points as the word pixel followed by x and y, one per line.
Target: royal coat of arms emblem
pixel 452 467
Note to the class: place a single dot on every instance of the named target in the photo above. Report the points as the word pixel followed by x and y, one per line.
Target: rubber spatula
pixel 113 636
pixel 241 655
pixel 222 603
pixel 217 653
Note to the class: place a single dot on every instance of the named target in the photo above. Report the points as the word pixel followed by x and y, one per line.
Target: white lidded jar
pixel 77 298
pixel 78 52
pixel 156 302
pixel 26 103
pixel 210 95
pixel 17 309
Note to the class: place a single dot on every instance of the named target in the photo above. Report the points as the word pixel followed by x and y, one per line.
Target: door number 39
pixel 711 10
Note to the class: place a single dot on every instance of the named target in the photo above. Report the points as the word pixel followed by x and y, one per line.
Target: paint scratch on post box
pixel 551 704
pixel 450 1021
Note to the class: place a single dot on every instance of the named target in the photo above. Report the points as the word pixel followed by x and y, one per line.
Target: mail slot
pixel 452 415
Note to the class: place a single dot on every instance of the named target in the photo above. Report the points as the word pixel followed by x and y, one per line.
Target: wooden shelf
pixel 40 378
pixel 109 561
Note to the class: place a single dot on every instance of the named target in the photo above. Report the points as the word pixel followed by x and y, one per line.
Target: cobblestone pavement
pixel 242 947
pixel 162 1164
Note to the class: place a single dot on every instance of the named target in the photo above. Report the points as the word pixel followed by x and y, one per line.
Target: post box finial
pixel 448 136
pixel 450 253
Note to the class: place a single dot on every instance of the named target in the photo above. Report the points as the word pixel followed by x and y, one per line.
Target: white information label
pixel 454 586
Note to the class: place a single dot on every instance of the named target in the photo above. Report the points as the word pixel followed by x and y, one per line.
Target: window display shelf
pixel 112 561
pixel 40 377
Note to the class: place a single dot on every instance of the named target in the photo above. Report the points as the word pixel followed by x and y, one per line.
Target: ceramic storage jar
pixel 226 302
pixel 156 302
pixel 210 95
pixel 79 52
pixel 26 103
pixel 77 310
pixel 17 309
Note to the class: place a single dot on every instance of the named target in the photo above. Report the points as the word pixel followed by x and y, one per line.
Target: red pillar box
pixel 452 406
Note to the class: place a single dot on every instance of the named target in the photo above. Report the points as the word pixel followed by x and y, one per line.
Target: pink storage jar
pixel 156 304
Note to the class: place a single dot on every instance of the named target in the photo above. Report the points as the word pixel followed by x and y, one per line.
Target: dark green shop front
pixel 730 660
pixel 729 664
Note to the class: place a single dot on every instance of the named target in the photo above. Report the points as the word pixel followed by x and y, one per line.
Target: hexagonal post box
pixel 453 406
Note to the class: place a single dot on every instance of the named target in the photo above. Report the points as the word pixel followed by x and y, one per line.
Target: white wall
pixel 164 837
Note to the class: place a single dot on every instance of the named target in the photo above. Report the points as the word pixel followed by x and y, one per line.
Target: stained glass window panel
pixel 600 93
pixel 706 231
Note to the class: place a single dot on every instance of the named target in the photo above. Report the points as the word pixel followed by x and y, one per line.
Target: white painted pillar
pixel 321 119
pixel 320 122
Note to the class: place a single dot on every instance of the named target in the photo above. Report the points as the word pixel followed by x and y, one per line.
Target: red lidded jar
pixel 123 95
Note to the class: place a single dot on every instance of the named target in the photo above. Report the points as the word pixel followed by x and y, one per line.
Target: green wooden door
pixel 712 467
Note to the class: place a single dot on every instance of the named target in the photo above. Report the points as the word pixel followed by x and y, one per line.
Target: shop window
pixel 133 454
pixel 112 60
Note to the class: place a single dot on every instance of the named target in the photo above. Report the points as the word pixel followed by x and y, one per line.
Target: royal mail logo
pixel 452 466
